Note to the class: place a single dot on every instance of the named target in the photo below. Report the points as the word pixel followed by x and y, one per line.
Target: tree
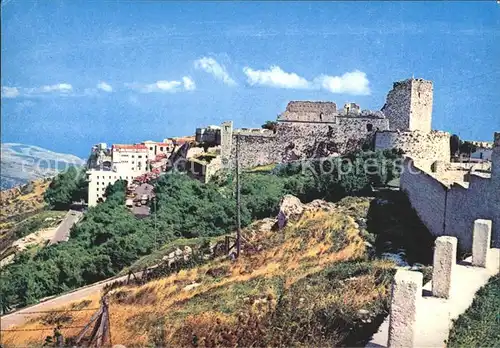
pixel 271 125
pixel 65 187
pixel 454 145
pixel 467 148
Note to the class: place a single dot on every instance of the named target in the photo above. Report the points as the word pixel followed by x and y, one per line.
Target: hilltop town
pixel 446 195
pixel 238 236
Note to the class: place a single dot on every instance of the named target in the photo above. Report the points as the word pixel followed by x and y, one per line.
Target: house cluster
pixel 106 164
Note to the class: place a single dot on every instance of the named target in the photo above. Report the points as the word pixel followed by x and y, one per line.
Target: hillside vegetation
pixel 110 238
pixel 478 326
pixel 312 283
pixel 19 208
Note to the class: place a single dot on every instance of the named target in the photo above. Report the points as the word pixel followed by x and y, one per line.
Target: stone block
pixel 406 293
pixel 481 241
pixel 445 253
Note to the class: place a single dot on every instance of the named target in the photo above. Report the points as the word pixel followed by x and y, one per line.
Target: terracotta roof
pixel 129 147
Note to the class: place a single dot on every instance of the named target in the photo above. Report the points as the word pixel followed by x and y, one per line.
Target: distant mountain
pixel 22 163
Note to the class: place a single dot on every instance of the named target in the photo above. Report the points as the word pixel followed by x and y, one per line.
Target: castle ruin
pixel 308 129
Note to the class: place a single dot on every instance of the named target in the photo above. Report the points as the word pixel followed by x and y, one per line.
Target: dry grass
pixel 267 297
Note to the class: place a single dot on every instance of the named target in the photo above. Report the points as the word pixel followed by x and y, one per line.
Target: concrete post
pixel 445 253
pixel 481 240
pixel 406 293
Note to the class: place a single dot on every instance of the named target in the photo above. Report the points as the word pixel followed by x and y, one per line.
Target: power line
pixel 54 311
pixel 41 329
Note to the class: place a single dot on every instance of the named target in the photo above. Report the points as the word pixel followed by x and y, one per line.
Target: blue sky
pixel 75 73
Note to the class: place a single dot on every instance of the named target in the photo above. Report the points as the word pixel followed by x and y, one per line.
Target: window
pixel 97 183
pixel 132 156
pixel 369 127
pixel 103 183
pixel 139 156
pixel 98 177
pixel 132 162
pixel 419 94
pixel 151 148
pixel 161 148
pixel 110 176
pixel 97 189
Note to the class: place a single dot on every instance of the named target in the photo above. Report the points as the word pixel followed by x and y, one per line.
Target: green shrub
pixel 479 325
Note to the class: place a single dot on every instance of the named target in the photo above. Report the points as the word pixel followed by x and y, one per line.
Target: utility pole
pixel 238 198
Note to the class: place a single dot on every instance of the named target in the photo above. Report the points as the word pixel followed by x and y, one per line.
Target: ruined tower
pixel 409 105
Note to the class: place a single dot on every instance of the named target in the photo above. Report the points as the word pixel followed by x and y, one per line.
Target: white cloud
pixel 10 92
pixel 275 77
pixel 104 87
pixel 355 82
pixel 211 66
pixel 60 87
pixel 187 84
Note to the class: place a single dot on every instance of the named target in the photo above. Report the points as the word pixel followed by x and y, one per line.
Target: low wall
pixel 452 209
pixel 481 200
pixel 427 196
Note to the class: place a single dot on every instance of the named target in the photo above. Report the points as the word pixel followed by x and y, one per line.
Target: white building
pixel 126 162
pixel 130 158
pixel 155 148
pixel 100 179
pixel 482 154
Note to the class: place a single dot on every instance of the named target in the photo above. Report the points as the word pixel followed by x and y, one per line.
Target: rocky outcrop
pixel 290 208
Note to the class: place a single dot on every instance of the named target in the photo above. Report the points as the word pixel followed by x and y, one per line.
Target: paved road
pixel 143 210
pixel 17 318
pixel 62 232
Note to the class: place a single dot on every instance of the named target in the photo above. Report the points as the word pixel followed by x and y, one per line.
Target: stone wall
pixel 427 196
pixel 307 116
pixel 255 150
pixel 423 148
pixel 226 140
pixel 311 106
pixel 301 140
pixel 308 111
pixel 398 105
pixel 451 209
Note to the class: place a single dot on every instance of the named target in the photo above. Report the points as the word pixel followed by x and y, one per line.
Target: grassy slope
pixel 22 211
pixel 310 284
pixel 479 325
